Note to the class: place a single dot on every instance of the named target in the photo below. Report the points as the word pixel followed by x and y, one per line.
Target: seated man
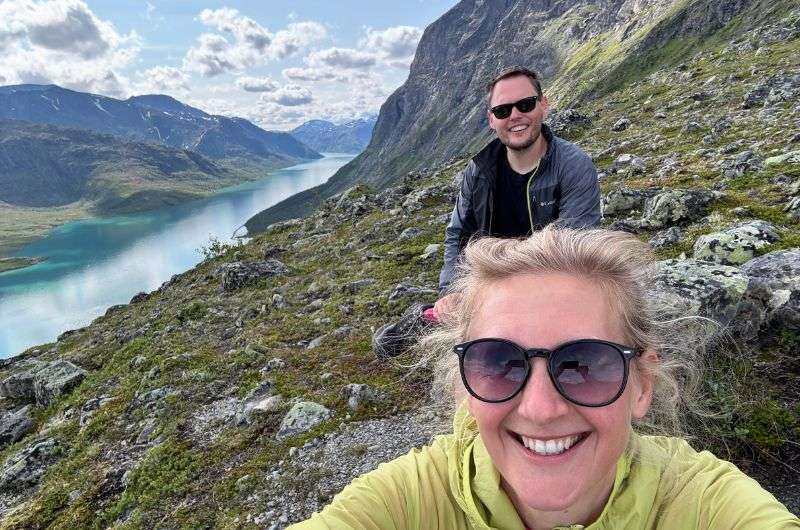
pixel 523 180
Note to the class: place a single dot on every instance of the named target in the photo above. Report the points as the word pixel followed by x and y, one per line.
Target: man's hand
pixel 445 305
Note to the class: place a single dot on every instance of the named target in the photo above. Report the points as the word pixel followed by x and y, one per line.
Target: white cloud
pixel 395 45
pixel 249 44
pixel 257 84
pixel 289 96
pixel 163 80
pixel 289 41
pixel 346 58
pixel 63 42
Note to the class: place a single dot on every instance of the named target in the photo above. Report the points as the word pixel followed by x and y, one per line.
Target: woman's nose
pixel 539 400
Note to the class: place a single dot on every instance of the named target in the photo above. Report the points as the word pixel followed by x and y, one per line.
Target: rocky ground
pixel 245 393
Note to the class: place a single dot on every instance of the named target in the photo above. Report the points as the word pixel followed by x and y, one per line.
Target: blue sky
pixel 276 62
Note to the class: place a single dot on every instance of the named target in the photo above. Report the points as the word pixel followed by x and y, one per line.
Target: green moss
pixel 195 311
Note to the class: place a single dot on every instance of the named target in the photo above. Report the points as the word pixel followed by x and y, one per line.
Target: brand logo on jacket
pixel 547 203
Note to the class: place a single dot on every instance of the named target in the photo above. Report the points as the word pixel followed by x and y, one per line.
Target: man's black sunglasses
pixel 587 372
pixel 503 111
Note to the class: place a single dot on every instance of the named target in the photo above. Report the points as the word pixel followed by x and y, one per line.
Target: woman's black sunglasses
pixel 587 372
pixel 525 105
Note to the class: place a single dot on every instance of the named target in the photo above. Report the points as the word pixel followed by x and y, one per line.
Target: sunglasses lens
pixel 526 105
pixel 589 373
pixel 502 112
pixel 494 370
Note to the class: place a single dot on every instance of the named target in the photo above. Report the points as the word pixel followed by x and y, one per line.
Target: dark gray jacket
pixel 564 187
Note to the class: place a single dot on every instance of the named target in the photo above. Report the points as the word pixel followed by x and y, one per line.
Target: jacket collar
pixel 486 159
pixel 476 485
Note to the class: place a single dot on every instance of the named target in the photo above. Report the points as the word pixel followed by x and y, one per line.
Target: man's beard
pixel 523 146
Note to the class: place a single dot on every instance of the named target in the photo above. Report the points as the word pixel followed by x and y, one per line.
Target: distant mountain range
pixel 48 166
pixel 324 136
pixel 154 119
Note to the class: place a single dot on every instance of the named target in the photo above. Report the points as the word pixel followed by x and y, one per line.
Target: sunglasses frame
pixel 626 352
pixel 513 105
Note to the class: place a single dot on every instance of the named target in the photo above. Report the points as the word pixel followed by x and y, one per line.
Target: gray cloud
pixel 398 42
pixel 164 79
pixel 289 96
pixel 67 26
pixel 347 58
pixel 211 57
pixel 257 84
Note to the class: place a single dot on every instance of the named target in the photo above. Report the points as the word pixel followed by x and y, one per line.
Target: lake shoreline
pixel 12 264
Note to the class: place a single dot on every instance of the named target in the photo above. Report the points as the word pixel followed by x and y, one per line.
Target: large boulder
pixel 775 288
pixel 42 382
pixel 698 288
pixel 240 274
pixel 15 425
pixel 302 417
pixel 26 468
pixel 735 245
pixel 619 202
pixel 675 207
pixel 56 379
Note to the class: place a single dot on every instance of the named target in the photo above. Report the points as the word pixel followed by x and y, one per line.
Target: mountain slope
pixel 324 136
pixel 47 166
pixel 156 119
pixel 581 49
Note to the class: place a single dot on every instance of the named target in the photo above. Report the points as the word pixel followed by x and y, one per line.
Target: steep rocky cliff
pixel 581 48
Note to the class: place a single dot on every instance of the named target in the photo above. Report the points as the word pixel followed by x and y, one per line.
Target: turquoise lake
pixel 94 264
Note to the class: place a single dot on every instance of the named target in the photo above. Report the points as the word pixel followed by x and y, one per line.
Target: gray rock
pixel 407 291
pixel 622 201
pixel 55 380
pixel 699 288
pixel 278 302
pixel 621 124
pixel 359 396
pixel 565 122
pixel 240 274
pixel 778 275
pixel 26 468
pixel 15 425
pixel 666 238
pixel 629 161
pixel 315 343
pixel 792 157
pixel 735 245
pixel 431 250
pixel 792 208
pixel 302 417
pixel 358 285
pixel 409 233
pixel 676 206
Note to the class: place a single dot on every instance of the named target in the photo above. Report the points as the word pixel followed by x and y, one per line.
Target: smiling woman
pixel 558 355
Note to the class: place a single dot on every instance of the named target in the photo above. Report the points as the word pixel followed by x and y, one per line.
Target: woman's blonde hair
pixel 623 267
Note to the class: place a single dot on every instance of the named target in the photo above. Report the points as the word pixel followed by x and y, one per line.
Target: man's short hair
pixel 514 71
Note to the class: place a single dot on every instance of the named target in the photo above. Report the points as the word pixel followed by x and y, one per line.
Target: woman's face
pixel 545 311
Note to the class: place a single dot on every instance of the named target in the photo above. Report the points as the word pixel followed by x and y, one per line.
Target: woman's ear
pixel 643 387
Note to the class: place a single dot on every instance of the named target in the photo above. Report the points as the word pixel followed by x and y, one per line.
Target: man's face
pixel 520 130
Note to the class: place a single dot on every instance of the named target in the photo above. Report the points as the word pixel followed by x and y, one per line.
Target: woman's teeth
pixel 549 447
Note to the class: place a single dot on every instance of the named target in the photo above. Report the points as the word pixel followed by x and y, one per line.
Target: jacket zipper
pixel 528 192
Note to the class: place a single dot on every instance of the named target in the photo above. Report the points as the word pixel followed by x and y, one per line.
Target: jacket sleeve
pixel 737 502
pixel 399 495
pixel 579 205
pixel 461 227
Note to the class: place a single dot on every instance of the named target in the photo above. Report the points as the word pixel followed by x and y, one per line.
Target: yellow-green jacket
pixel 661 484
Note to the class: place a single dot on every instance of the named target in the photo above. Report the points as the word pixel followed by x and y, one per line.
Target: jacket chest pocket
pixel 544 206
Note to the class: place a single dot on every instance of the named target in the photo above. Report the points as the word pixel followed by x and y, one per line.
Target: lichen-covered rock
pixel 565 122
pixel 676 206
pixel 698 288
pixel 15 425
pixel 792 208
pixel 56 379
pixel 409 233
pixel 302 417
pixel 359 395
pixel 735 245
pixel 239 274
pixel 666 237
pixel 792 157
pixel 778 275
pixel 42 382
pixel 621 124
pixel 628 161
pixel 27 467
pixel 620 202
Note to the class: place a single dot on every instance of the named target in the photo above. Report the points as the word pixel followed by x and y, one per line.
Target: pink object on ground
pixel 430 316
